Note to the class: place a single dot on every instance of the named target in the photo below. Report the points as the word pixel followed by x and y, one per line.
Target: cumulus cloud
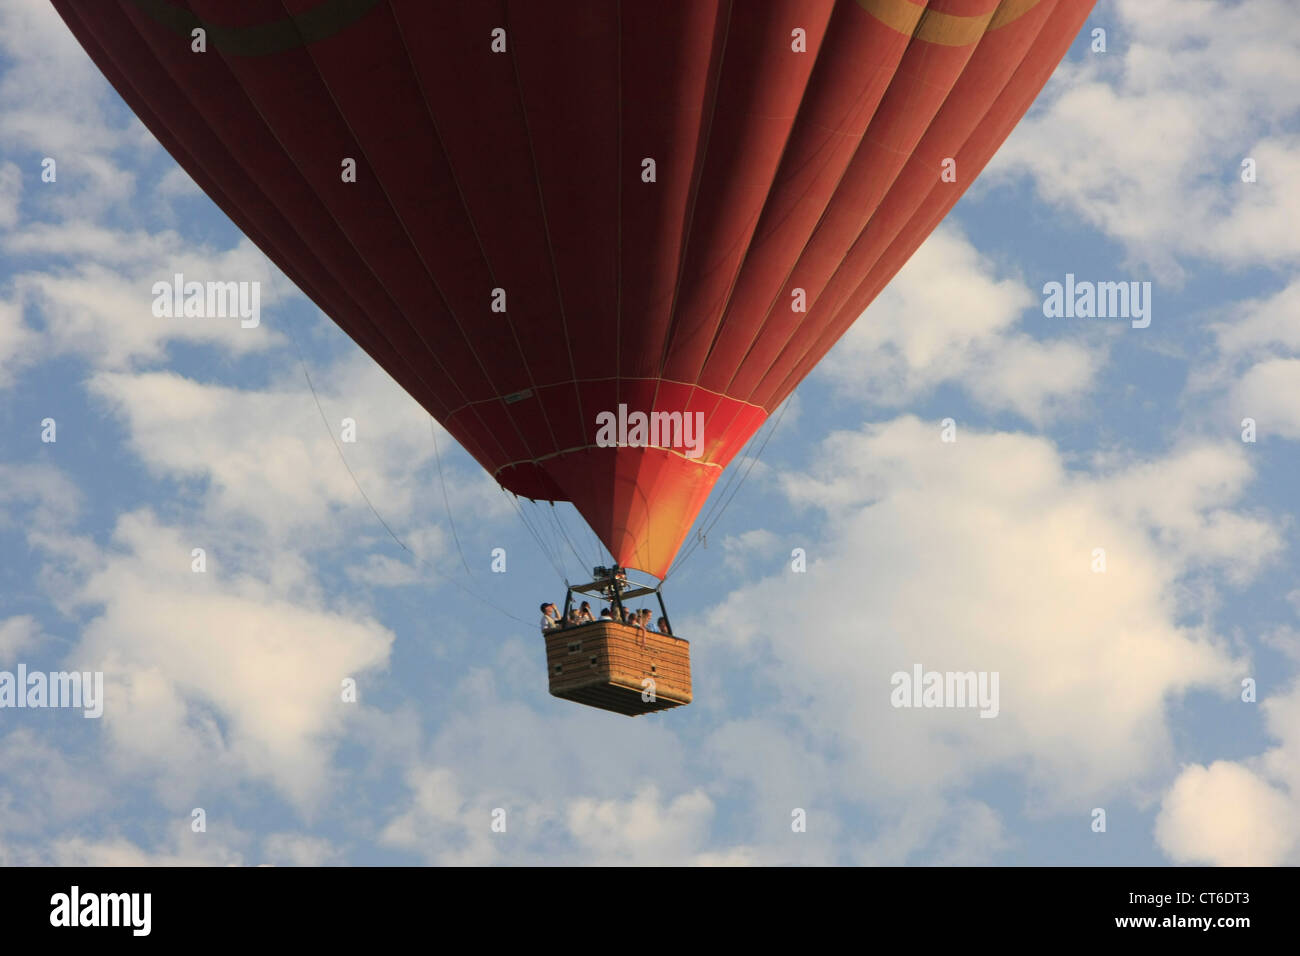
pixel 946 318
pixel 575 784
pixel 451 826
pixel 17 342
pixel 37 495
pixel 1146 141
pixel 101 307
pixel 266 458
pixel 111 851
pixel 1269 392
pixel 44 788
pixel 17 635
pixel 1224 814
pixel 54 103
pixel 1264 324
pixel 643 829
pixel 233 673
pixel 11 192
pixel 296 849
pixel 1244 812
pixel 1256 373
pixel 978 555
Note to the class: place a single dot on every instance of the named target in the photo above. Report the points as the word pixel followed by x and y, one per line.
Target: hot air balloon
pixel 600 241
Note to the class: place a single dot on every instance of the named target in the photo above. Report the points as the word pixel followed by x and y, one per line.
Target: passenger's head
pixel 544 607
pixel 604 612
pixel 586 606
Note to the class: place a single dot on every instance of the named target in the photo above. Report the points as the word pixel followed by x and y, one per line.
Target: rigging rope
pixel 433 430
pixel 387 527
pixel 706 525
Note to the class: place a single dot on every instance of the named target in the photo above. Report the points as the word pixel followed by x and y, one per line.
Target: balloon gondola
pixel 616 666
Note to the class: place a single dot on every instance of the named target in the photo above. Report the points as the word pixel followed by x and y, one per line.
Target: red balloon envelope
pixel 599 241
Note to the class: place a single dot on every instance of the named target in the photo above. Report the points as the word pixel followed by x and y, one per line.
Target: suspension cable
pixel 433 430
pixel 704 531
pixel 373 510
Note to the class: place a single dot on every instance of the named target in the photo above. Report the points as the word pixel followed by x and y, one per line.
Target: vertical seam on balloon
pixel 401 223
pixel 697 179
pixel 555 273
pixel 618 320
pixel 618 265
pixel 831 278
pixel 546 231
pixel 687 231
pixel 813 345
pixel 469 217
pixel 726 301
pixel 794 122
pixel 697 176
pixel 559 295
pixel 618 330
pixel 816 227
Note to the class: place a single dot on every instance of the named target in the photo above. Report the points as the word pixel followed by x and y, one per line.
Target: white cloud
pixel 194 850
pixel 294 849
pixel 946 318
pixel 18 343
pixel 235 673
pixel 1146 141
pixel 11 193
pixel 450 826
pixel 1269 392
pixel 102 308
pixel 757 544
pixel 55 103
pixel 977 556
pixel 1264 324
pixel 955 833
pixel 44 787
pixel 267 458
pixel 573 781
pixel 1226 815
pixel 641 830
pixel 17 635
pixel 54 500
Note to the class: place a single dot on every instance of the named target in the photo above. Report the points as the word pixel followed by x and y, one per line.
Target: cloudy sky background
pixel 1118 690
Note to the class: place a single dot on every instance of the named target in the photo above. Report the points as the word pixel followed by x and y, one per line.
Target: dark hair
pixel 544 606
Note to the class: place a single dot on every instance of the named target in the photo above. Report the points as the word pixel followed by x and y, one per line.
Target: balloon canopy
pixel 599 241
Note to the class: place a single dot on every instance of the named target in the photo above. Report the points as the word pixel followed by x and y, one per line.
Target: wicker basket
pixel 605 665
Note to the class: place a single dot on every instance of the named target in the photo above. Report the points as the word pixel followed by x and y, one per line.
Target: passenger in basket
pixel 662 627
pixel 550 617
pixel 584 613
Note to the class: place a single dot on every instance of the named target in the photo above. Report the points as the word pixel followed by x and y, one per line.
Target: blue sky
pixel 1119 690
